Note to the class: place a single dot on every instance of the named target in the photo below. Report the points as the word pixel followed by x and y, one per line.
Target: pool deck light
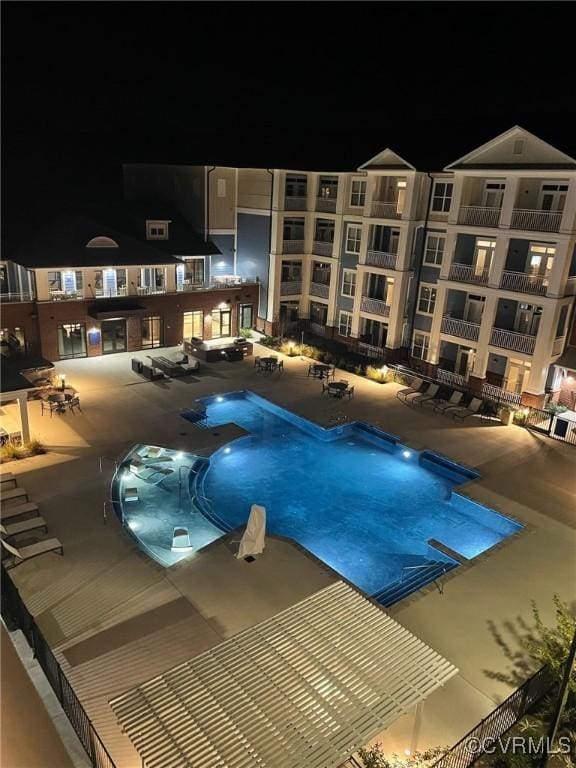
pixel 406 454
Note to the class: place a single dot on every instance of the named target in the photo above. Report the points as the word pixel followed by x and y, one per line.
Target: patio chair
pixel 464 413
pixel 20 555
pixel 74 402
pixel 53 407
pixel 440 406
pixel 17 510
pixel 349 392
pixel 257 361
pixel 14 529
pixel 423 391
pixel 430 394
pixel 417 385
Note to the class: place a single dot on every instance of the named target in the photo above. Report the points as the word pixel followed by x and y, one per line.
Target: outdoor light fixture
pixel 133 525
pixel 219 399
pixel 406 454
pixel 179 455
pixel 227 450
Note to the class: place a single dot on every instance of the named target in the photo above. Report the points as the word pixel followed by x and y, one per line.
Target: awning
pixel 567 359
pixel 113 308
pixel 307 687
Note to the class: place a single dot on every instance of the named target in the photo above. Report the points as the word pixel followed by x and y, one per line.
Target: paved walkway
pixel 103 580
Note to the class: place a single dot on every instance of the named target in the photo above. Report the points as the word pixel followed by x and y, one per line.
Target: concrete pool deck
pixel 104 580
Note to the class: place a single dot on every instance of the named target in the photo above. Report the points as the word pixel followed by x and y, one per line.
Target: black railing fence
pixel 487 731
pixel 16 615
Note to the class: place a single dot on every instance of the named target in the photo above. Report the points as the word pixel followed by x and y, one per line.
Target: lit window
pixel 442 196
pixel 157 230
pixel 348 282
pixel 358 194
pixel 420 346
pixel 353 238
pixel 427 299
pixel 345 324
pixel 434 249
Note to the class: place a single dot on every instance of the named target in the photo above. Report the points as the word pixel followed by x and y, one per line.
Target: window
pixel 55 281
pixel 434 249
pixel 427 299
pixel 345 324
pixel 12 341
pixel 157 230
pixel 221 187
pixel 246 316
pixel 121 282
pixel 420 346
pixel 190 273
pixel 353 238
pixel 296 186
pixel 318 313
pixel 291 271
pixel 71 340
pixel 151 332
pixel 400 196
pixel 349 282
pixel 221 323
pixel 321 273
pixel 151 280
pixel 442 196
pixel 328 188
pixel 293 229
pixel 518 147
pixel 324 231
pixel 357 194
pixel 193 325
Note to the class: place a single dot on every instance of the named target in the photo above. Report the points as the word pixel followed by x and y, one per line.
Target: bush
pixel 374 757
pixel 376 374
pixel 246 333
pixel 13 451
pixel 554 408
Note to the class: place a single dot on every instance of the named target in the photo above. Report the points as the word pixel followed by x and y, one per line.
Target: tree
pixel 374 757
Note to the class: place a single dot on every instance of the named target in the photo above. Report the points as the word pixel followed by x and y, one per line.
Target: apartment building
pixel 126 280
pixel 465 271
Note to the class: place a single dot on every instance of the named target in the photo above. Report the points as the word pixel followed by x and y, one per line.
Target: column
pixel 509 201
pixel 411 197
pixel 24 422
pixel 274 275
pixel 404 243
pixel 396 319
pixel 567 223
pixel 449 251
pixel 304 311
pixel 457 189
pixel 498 260
pixel 543 350
pixel 360 277
pixel 332 292
pixel 435 328
pixel 478 373
pixel 560 269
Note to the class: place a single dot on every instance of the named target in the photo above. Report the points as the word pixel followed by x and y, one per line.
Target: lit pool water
pixel 354 496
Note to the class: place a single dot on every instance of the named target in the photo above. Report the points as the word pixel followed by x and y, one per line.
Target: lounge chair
pixel 430 394
pixel 17 510
pixel 20 555
pixel 13 529
pixel 443 405
pixel 151 373
pixel 416 387
pixel 14 494
pixel 410 396
pixel 464 413
pixel 153 475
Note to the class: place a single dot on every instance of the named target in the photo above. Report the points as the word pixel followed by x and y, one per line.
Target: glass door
pixel 221 323
pixel 246 319
pixel 71 341
pixel 518 372
pixel 151 332
pixel 474 309
pixel 113 336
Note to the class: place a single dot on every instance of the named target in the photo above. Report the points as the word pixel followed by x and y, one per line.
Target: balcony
pixel 518 342
pixel 294 203
pixel 13 297
pixel 56 295
pixel 524 283
pixel 374 306
pixel 319 289
pixel 369 350
pixel 293 246
pixel 291 288
pixel 479 216
pixel 320 248
pixel 468 273
pixel 326 204
pixel 499 395
pixel 449 377
pixel 384 210
pixel 463 329
pixel 381 259
pixel 536 221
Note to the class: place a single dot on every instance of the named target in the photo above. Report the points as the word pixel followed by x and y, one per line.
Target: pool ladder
pixel 413 578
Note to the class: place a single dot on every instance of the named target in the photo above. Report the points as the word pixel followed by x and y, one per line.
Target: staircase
pixel 199 419
pixel 413 578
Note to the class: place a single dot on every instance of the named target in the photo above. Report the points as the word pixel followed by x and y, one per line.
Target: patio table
pixel 337 388
pixel 320 370
pixel 268 363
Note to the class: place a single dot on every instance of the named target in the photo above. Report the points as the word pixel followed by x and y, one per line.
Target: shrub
pixel 374 757
pixel 376 374
pixel 246 333
pixel 12 450
pixel 555 408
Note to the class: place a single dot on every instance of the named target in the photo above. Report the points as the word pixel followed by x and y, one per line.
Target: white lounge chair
pixel 464 413
pixel 17 510
pixel 411 396
pixel 416 387
pixel 20 555
pixel 14 529
pixel 430 394
pixel 443 405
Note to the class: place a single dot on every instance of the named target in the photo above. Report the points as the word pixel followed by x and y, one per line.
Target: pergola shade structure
pixel 306 687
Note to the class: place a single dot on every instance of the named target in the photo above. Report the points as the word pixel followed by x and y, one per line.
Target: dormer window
pixel 157 230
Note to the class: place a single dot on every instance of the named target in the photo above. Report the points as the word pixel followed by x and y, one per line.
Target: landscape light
pixel 227 450
pixel 219 399
pixel 406 454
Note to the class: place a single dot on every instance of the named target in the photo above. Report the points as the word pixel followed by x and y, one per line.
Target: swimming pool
pixel 357 498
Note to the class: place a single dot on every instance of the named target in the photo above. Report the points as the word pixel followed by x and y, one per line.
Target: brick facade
pixel 23 315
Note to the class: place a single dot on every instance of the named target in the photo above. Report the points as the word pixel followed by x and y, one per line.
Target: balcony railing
pixel 321 248
pixel 56 295
pixel 381 259
pixel 558 345
pixel 479 216
pixel 290 288
pixel 370 350
pixel 326 204
pixel 461 328
pixel 148 290
pixel 294 203
pixel 385 210
pixel 293 246
pixel 466 273
pixel 375 306
pixel 317 329
pixel 524 283
pixel 22 296
pixel 449 377
pixel 499 395
pixel 319 289
pixel 518 342
pixel 536 221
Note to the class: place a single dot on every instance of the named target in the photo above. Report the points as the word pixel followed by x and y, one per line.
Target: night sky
pixel 87 86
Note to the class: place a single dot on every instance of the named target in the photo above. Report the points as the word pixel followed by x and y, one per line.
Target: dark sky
pixel 88 85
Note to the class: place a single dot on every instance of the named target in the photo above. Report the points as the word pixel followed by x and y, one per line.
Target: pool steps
pixel 415 579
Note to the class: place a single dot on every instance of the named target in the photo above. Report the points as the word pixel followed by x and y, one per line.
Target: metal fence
pixel 500 720
pixel 15 613
pixel 551 424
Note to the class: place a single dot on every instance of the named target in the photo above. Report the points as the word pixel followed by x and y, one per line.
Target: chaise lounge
pixel 20 555
pixel 416 387
pixel 464 413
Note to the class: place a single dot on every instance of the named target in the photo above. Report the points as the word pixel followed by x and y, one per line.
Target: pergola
pixel 307 687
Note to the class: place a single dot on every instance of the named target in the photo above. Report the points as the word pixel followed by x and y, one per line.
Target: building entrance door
pixel 113 336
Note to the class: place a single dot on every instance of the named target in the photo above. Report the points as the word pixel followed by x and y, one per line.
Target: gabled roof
pixel 499 153
pixel 306 687
pixel 386 160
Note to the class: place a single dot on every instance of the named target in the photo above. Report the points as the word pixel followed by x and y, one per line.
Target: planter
pixel 506 416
